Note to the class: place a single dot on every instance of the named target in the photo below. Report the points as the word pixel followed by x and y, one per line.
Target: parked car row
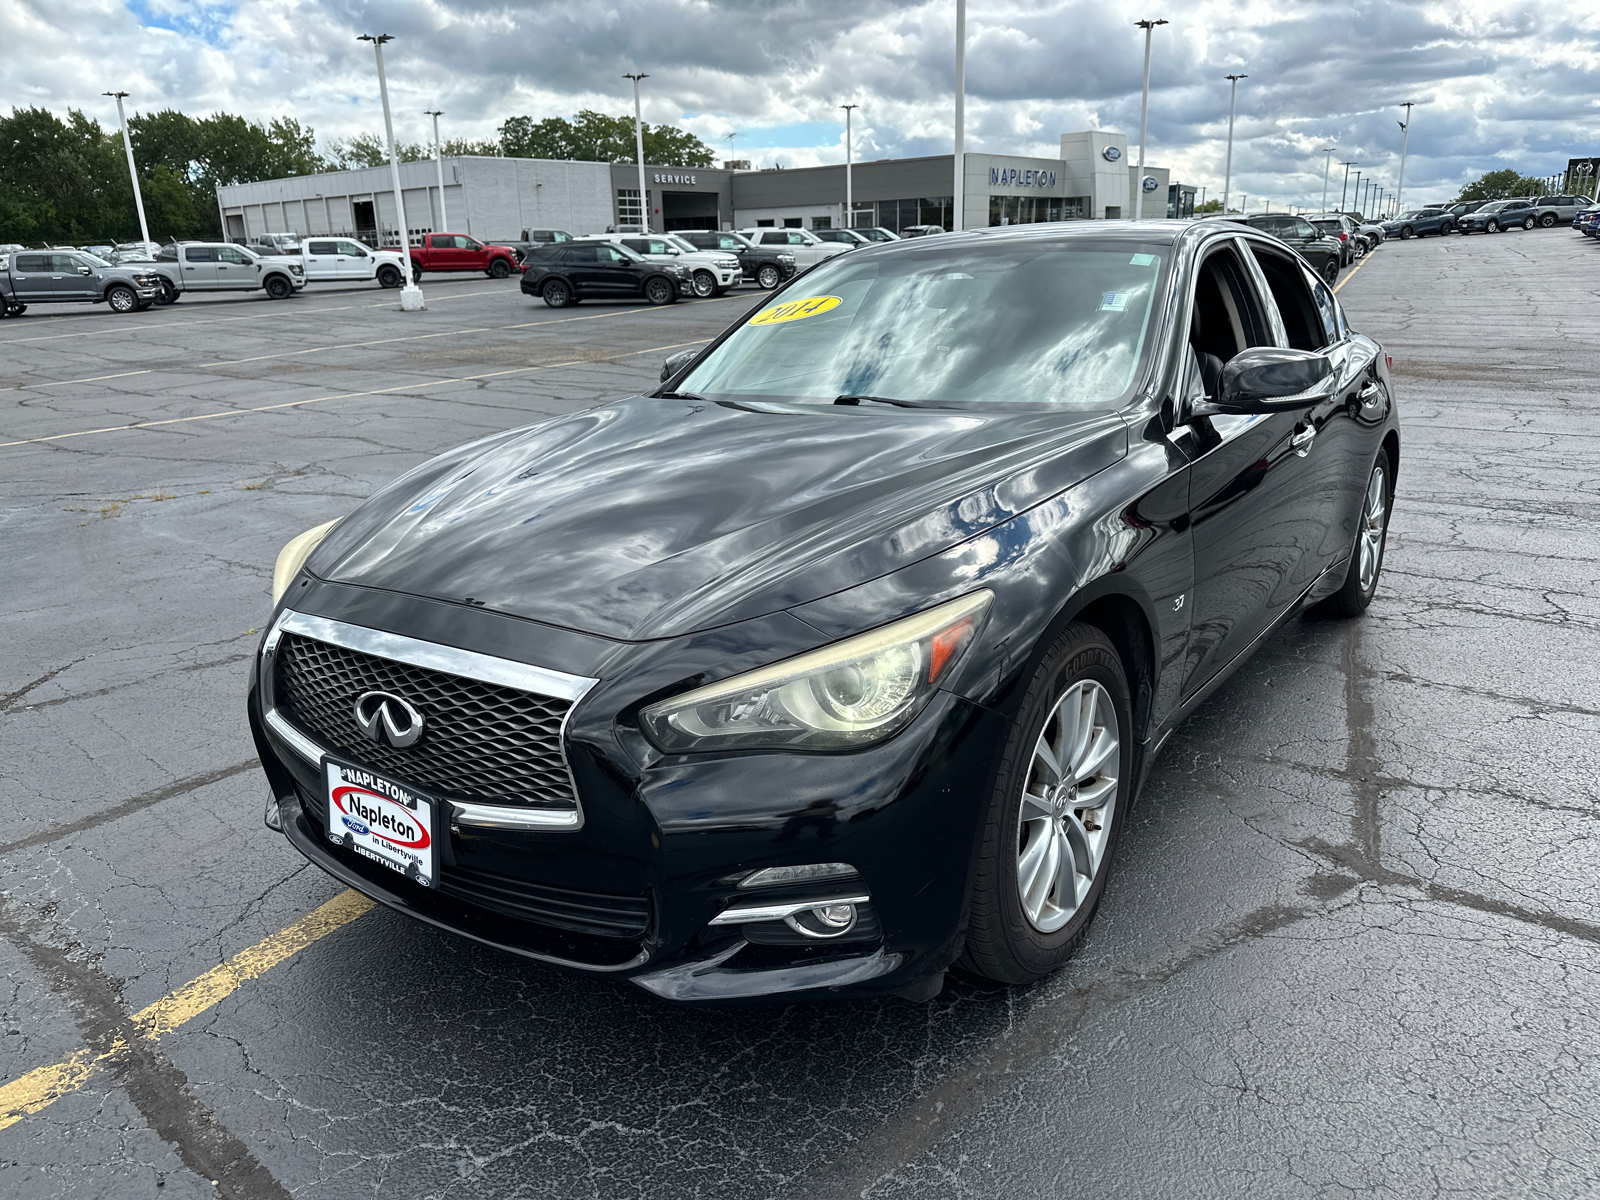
pixel 1587 220
pixel 1485 216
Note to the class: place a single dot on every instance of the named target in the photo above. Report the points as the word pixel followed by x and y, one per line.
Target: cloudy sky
pixel 1501 83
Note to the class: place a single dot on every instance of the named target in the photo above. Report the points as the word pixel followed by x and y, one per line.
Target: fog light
pixel 838 916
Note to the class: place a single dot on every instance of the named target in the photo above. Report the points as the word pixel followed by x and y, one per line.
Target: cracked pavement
pixel 1352 945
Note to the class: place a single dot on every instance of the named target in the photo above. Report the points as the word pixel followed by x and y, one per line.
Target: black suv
pixel 564 273
pixel 768 266
pixel 1324 253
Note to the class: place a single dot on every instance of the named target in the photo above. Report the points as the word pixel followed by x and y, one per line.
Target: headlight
pixel 293 556
pixel 296 269
pixel 844 696
pixel 786 258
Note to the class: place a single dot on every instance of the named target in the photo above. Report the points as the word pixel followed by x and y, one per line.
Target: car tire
pixel 1330 271
pixel 1372 536
pixel 499 269
pixel 16 310
pixel 1491 226
pixel 278 288
pixel 1547 220
pixel 556 294
pixel 121 298
pixel 169 292
pixel 1407 233
pixel 768 277
pixel 659 291
pixel 705 285
pixel 390 277
pixel 1022 922
pixel 1527 224
pixel 1447 229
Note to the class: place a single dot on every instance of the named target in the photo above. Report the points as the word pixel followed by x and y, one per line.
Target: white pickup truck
pixel 336 259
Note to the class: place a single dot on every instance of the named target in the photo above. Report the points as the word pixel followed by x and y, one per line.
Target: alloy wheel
pixel 768 277
pixel 1068 803
pixel 1374 525
pixel 705 283
pixel 122 300
pixel 1493 226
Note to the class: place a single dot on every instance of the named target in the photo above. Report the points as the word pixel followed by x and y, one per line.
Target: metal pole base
pixel 411 299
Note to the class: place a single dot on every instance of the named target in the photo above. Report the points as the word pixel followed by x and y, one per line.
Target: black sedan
pixel 567 272
pixel 839 660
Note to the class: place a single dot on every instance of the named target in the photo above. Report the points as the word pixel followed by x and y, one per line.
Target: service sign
pixel 387 821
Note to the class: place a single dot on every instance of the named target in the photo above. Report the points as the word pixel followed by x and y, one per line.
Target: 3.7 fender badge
pixel 795 310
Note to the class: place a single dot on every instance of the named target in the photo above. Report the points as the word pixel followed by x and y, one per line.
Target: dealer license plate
pixel 389 822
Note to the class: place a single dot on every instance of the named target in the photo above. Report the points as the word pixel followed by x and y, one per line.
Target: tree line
pixel 66 181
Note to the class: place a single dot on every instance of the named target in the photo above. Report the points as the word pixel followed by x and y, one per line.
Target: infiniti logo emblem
pixel 388 720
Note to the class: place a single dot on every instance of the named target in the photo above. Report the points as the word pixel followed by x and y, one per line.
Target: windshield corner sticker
pixel 796 310
pixel 1114 302
pixel 1142 260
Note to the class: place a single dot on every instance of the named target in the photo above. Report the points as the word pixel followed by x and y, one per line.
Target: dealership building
pixel 499 197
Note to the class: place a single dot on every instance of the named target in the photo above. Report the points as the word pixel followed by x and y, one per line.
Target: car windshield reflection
pixel 1013 324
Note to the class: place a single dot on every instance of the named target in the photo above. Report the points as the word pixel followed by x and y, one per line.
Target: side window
pixel 65 264
pixel 198 254
pixel 728 243
pixel 229 255
pixel 612 255
pixel 466 243
pixel 558 236
pixel 581 255
pixel 441 241
pixel 350 250
pixel 1327 309
pixel 1227 316
pixel 774 239
pixel 642 245
pixel 327 248
pixel 1295 305
pixel 660 248
pixel 31 264
pixel 1303 228
pixel 798 239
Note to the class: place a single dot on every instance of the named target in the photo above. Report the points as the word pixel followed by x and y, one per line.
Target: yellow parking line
pixel 44 1086
pixel 399 387
pixel 1365 260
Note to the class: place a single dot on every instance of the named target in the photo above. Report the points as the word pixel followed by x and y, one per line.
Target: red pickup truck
pixel 458 252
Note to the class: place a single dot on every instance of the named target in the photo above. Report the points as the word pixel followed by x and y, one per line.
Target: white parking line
pixel 28 387
pixel 418 386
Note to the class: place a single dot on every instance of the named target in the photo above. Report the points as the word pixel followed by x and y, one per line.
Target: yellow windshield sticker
pixel 795 310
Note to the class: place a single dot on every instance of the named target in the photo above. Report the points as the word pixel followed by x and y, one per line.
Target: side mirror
pixel 676 363
pixel 1265 379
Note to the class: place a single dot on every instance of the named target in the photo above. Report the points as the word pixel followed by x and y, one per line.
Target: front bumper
pixel 680 834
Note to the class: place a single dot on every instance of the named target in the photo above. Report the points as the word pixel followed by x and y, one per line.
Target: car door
pixel 73 278
pixel 1343 427
pixel 582 266
pixel 31 278
pixel 442 252
pixel 1252 494
pixel 236 270
pixel 200 268
pixel 355 262
pixel 618 273
pixel 321 259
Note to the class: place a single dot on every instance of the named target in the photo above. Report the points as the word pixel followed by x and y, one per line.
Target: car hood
pixel 652 518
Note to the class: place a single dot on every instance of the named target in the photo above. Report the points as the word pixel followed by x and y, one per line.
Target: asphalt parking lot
pixel 1351 946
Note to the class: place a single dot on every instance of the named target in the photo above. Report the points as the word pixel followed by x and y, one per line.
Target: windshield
pixel 1033 323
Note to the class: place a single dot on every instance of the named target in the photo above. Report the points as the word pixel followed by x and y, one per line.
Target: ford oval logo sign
pixel 1149 184
pixel 1111 153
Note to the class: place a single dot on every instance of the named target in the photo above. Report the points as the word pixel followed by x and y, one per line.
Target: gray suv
pixel 72 277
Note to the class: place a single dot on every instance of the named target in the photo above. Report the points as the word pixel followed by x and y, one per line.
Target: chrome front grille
pixel 483 742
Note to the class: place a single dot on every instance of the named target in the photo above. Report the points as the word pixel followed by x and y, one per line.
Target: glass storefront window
pixel 1031 210
pixel 896 215
pixel 628 212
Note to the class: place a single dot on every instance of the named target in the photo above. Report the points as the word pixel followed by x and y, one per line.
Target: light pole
pixel 438 161
pixel 1405 140
pixel 638 141
pixel 410 294
pixel 1346 185
pixel 1355 192
pixel 138 197
pixel 849 192
pixel 1144 113
pixel 957 205
pixel 1201 207
pixel 1327 164
pixel 1227 171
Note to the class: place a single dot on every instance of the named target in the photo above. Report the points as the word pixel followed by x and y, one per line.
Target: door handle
pixel 1300 441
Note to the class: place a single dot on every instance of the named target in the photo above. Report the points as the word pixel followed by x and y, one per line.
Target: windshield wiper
pixel 854 400
pixel 681 396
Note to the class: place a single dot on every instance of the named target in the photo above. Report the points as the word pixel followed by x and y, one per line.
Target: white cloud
pixel 1513 84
